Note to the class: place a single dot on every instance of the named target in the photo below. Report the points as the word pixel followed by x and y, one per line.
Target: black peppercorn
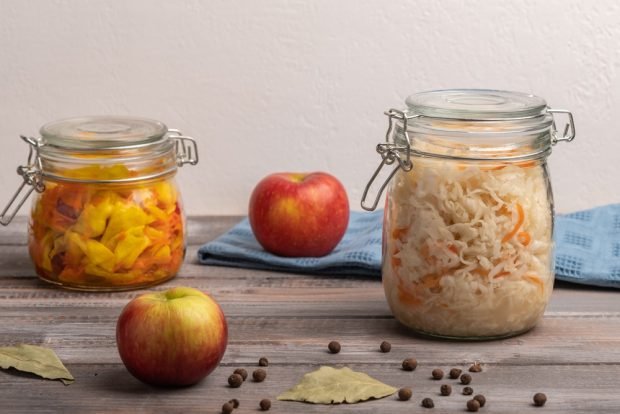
pixel 265 404
pixel 540 399
pixel 227 408
pixel 404 394
pixel 235 380
pixel 481 400
pixel 263 362
pixel 334 347
pixel 465 379
pixel 468 391
pixel 242 372
pixel 410 364
pixel 437 374
pixel 476 367
pixel 445 389
pixel 259 375
pixel 428 403
pixel 455 373
pixel 473 405
pixel 385 346
pixel 234 402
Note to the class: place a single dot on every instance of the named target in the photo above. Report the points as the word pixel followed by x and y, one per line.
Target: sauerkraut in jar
pixel 468 225
pixel 108 214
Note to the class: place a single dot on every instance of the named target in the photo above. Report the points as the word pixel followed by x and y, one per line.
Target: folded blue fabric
pixel 587 249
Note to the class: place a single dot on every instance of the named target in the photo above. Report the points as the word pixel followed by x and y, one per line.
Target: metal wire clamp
pixel 391 152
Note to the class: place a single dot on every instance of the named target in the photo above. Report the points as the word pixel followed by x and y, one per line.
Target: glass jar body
pixel 468 246
pixel 107 236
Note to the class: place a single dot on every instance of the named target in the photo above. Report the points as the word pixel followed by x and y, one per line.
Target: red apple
pixel 299 214
pixel 172 338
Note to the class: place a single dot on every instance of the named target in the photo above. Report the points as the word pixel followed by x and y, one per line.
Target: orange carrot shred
pixel 520 219
pixel 524 238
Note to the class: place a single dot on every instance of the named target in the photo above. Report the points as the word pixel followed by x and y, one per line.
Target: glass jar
pixel 468 223
pixel 107 214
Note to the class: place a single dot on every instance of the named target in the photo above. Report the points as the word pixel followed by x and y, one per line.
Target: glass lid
pixel 476 104
pixel 102 132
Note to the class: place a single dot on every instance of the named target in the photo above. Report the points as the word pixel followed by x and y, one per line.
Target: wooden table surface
pixel 573 355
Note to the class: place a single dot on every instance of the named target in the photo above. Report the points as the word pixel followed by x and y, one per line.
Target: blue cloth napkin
pixel 587 249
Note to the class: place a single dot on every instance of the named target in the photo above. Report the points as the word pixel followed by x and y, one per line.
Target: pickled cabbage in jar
pixel 468 247
pixel 84 235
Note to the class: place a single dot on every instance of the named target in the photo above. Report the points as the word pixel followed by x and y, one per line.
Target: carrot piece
pixel 519 223
pixel 524 238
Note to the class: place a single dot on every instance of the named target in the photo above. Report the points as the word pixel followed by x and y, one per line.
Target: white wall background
pixel 302 85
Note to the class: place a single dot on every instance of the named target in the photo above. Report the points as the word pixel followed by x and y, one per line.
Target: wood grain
pixel 573 355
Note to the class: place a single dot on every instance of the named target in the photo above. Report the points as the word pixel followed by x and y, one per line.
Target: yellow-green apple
pixel 172 338
pixel 299 214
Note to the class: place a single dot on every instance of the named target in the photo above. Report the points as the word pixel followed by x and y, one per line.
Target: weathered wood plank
pixel 83 335
pixel 110 388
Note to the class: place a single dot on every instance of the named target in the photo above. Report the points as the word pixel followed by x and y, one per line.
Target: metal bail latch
pixel 31 173
pixel 391 152
pixel 569 129
pixel 186 148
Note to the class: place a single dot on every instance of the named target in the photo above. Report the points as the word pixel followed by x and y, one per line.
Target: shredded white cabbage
pixel 468 247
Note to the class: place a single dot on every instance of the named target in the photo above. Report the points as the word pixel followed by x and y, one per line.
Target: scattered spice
pixel 428 403
pixel 476 367
pixel 468 391
pixel 473 405
pixel 235 380
pixel 410 364
pixel 385 347
pixel 540 399
pixel 334 347
pixel 445 389
pixel 234 402
pixel 265 404
pixel 437 374
pixel 455 373
pixel 259 375
pixel 404 394
pixel 465 379
pixel 242 372
pixel 227 408
pixel 263 362
pixel 481 400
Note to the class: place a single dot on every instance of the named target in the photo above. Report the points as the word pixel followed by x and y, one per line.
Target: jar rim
pixel 476 105
pixel 102 132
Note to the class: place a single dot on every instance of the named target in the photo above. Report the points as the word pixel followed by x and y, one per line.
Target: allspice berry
pixel 235 380
pixel 465 379
pixel 468 391
pixel 265 404
pixel 334 347
pixel 227 408
pixel 481 400
pixel 473 405
pixel 234 402
pixel 437 374
pixel 455 373
pixel 404 394
pixel 259 375
pixel 540 399
pixel 263 362
pixel 242 372
pixel 428 403
pixel 385 347
pixel 445 389
pixel 410 364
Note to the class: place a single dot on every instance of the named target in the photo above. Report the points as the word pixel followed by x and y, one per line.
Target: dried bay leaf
pixel 36 360
pixel 329 385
